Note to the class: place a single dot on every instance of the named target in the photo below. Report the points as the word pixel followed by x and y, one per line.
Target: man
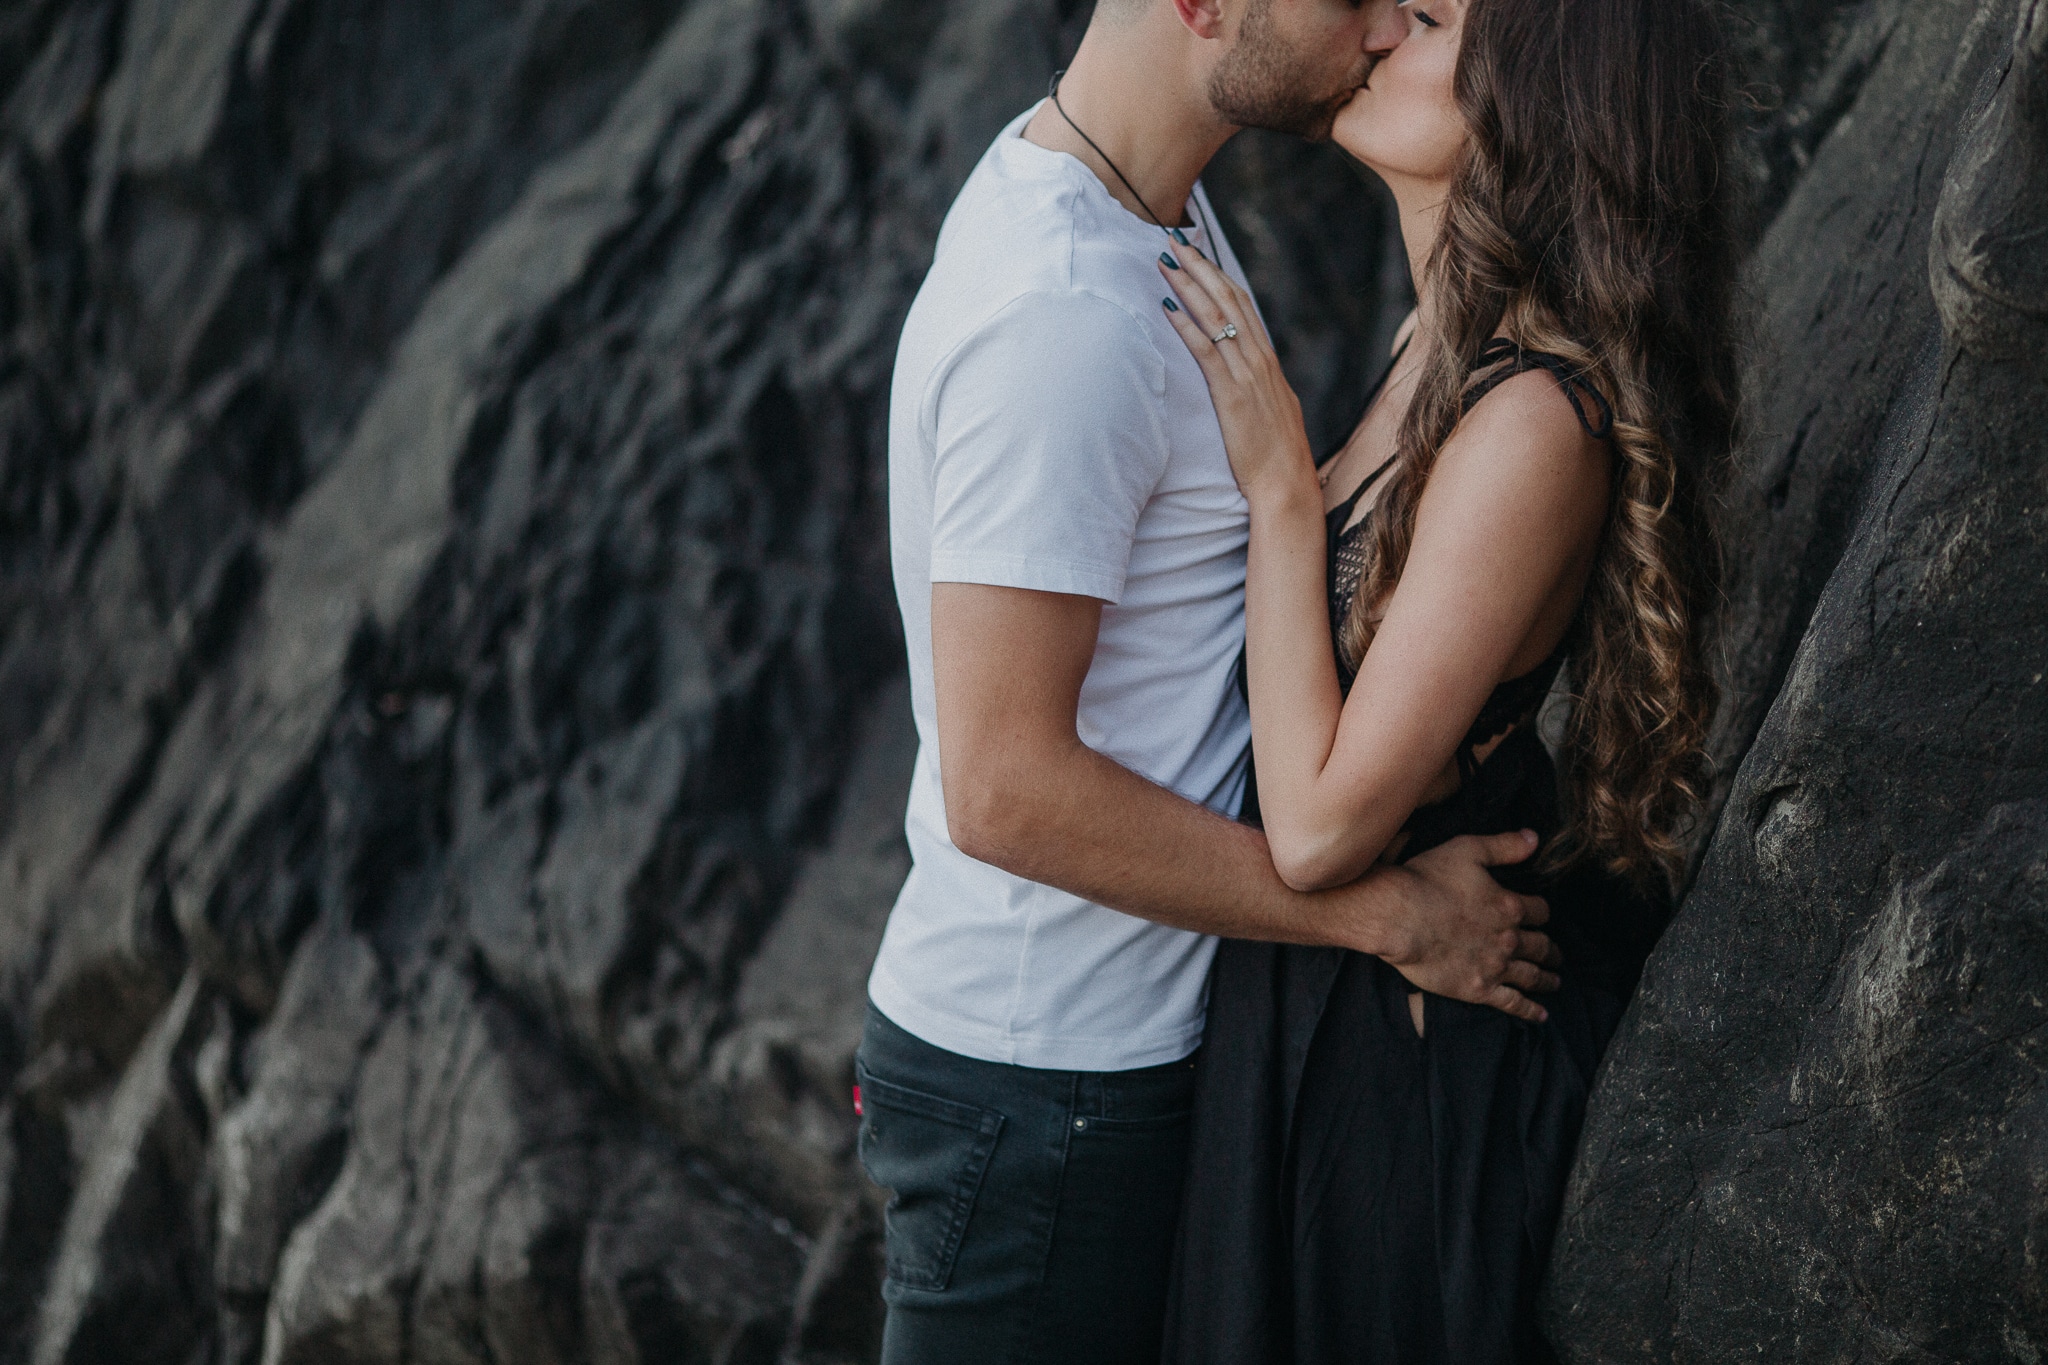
pixel 1069 553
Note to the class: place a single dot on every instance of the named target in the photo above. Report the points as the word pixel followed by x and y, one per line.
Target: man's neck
pixel 1137 88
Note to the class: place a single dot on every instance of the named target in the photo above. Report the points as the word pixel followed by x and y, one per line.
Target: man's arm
pixel 1025 794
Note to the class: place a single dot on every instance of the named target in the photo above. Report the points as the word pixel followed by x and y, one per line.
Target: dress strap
pixel 1370 396
pixel 1568 377
pixel 1340 515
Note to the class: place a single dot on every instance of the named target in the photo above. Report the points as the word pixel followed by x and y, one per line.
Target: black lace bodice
pixel 1514 703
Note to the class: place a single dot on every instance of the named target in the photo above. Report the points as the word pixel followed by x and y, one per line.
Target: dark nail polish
pixel 1180 237
pixel 1166 259
pixel 1169 305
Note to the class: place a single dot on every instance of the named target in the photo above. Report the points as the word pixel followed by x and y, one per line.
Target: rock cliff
pixel 451 735
pixel 1819 1137
pixel 449 712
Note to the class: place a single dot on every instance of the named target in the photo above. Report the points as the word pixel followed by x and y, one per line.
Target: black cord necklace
pixel 1052 92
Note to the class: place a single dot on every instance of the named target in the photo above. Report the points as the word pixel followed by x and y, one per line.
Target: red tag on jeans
pixel 857 1111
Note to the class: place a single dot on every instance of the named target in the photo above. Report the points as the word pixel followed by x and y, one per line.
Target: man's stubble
pixel 1262 83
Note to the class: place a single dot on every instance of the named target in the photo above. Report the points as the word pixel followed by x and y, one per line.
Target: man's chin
pixel 1310 123
pixel 1337 114
pixel 1266 103
pixel 1325 120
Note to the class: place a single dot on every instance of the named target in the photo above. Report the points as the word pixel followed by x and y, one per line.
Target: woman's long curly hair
pixel 1592 218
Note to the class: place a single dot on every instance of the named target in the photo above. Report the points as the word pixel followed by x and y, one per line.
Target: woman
pixel 1377 1173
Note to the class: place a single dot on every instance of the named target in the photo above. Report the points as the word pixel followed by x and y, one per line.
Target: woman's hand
pixel 1259 413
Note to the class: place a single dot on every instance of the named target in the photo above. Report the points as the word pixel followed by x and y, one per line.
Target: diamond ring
pixel 1229 333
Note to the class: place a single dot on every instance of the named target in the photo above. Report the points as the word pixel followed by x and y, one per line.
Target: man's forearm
pixel 1023 792
pixel 1089 826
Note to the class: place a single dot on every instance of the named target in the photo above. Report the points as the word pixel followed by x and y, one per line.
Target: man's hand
pixel 1467 936
pixel 1026 795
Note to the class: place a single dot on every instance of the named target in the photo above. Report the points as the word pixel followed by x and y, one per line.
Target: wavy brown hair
pixel 1592 218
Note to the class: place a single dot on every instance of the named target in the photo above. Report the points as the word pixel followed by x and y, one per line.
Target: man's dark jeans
pixel 1032 1216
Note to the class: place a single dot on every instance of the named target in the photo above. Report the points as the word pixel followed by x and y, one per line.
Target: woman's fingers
pixel 1252 316
pixel 1199 299
pixel 1213 367
pixel 1208 272
pixel 1235 300
pixel 1202 285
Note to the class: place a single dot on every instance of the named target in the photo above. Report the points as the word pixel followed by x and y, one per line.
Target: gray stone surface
pixel 451 726
pixel 451 730
pixel 126 1278
pixel 1819 1137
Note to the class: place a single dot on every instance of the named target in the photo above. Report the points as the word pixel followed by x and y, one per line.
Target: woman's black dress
pixel 1357 1192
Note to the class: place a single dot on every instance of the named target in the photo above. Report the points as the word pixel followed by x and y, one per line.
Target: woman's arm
pixel 1504 534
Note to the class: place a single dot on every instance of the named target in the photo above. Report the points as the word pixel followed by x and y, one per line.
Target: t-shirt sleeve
pixel 1049 439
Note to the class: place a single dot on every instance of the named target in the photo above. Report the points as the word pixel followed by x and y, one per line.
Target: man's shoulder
pixel 1017 285
pixel 1018 192
pixel 1042 343
pixel 1071 318
pixel 1013 276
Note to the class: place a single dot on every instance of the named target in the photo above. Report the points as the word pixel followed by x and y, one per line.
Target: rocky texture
pixel 452 766
pixel 1819 1137
pixel 451 739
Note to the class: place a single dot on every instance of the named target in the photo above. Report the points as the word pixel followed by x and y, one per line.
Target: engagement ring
pixel 1229 333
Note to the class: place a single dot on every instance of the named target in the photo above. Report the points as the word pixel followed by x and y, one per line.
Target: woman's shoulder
pixel 1536 409
pixel 1525 438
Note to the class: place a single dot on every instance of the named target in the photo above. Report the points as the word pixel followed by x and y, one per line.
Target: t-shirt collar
pixel 1091 183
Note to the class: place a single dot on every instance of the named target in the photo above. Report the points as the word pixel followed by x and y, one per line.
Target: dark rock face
pixel 1820 1135
pixel 452 737
pixel 452 769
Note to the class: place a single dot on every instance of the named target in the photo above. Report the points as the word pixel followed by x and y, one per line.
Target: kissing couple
pixel 1244 998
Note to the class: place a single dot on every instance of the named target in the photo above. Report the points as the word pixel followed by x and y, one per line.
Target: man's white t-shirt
pixel 1048 429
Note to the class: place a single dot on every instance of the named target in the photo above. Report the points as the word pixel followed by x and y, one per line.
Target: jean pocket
pixel 930 1153
pixel 1134 1126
